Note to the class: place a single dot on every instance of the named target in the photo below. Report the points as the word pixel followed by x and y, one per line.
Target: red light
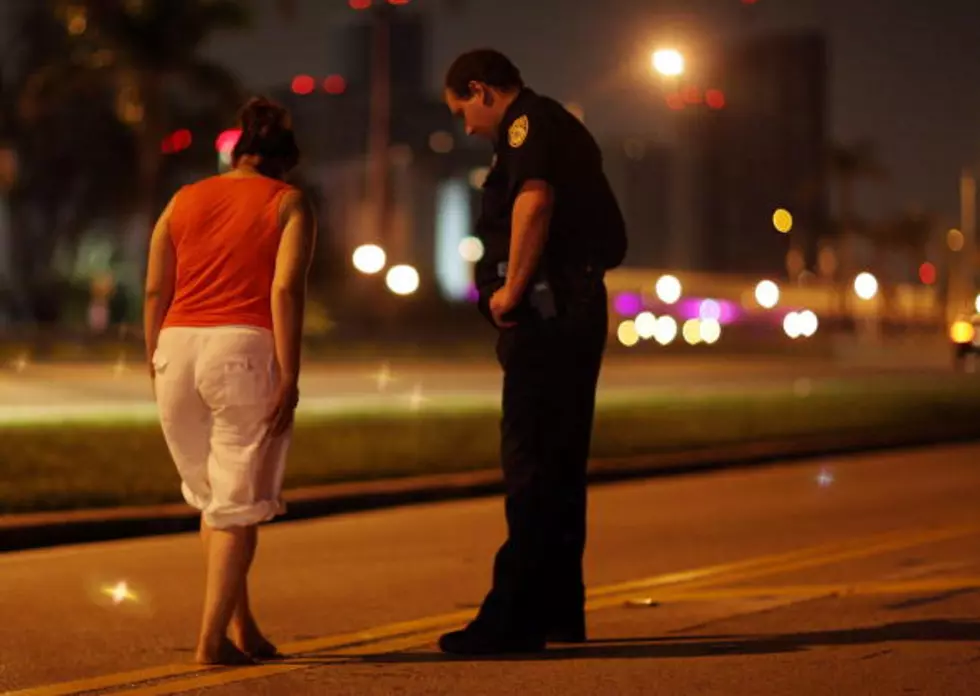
pixel 398 2
pixel 359 4
pixel 227 140
pixel 675 101
pixel 748 2
pixel 182 139
pixel 927 273
pixel 176 141
pixel 335 84
pixel 715 98
pixel 303 84
pixel 692 95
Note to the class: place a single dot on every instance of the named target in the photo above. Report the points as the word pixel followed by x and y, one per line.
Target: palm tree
pixel 849 165
pixel 908 234
pixel 143 57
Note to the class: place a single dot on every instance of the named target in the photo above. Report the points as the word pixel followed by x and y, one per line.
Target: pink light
pixel 227 140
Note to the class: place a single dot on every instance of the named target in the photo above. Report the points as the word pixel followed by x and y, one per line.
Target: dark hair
pixel 485 65
pixel 267 131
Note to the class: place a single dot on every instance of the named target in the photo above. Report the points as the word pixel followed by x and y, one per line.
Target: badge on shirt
pixel 517 133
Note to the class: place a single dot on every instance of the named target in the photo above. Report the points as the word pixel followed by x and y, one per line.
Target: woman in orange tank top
pixel 223 315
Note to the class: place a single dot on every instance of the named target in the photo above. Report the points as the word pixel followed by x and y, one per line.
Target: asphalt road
pixel 857 575
pixel 35 392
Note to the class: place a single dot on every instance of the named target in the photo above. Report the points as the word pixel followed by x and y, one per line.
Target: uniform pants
pixel 551 369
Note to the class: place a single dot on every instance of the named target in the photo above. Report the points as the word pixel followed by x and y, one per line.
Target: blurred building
pixel 640 172
pixel 429 160
pixel 752 139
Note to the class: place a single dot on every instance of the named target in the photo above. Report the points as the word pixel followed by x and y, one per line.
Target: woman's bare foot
pixel 255 645
pixel 226 653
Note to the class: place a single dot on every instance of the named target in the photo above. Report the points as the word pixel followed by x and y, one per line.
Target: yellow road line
pixel 344 641
pixel 885 587
pixel 428 638
pixel 791 561
pixel 610 595
pixel 879 543
pixel 234 676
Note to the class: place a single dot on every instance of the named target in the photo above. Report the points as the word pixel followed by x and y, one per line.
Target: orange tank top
pixel 225 232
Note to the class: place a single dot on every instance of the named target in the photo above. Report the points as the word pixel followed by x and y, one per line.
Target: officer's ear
pixel 480 92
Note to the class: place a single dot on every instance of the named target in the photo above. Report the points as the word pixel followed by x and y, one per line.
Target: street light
pixel 668 62
pixel 369 259
pixel 668 289
pixel 767 294
pixel 782 220
pixel 865 286
pixel 955 240
pixel 402 280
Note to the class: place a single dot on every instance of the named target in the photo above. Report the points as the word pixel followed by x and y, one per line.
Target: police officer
pixel 550 226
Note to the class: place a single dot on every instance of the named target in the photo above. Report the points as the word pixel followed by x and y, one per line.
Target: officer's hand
pixel 502 302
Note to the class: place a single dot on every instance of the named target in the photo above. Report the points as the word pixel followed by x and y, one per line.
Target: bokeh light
pixel 335 84
pixel 962 332
pixel 402 280
pixel 709 309
pixel 646 324
pixel 715 99
pixel 955 240
pixel 369 258
pixel 471 249
pixel 668 62
pixel 791 325
pixel 627 333
pixel 782 220
pixel 710 330
pixel 808 323
pixel 927 273
pixel 865 286
pixel 628 304
pixel 767 294
pixel 303 84
pixel 668 289
pixel 665 331
pixel 441 142
pixel 692 331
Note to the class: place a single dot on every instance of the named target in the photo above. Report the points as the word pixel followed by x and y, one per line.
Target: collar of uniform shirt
pixel 510 114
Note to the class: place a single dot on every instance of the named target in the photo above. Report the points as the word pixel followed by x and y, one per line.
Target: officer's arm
pixel 529 232
pixel 532 175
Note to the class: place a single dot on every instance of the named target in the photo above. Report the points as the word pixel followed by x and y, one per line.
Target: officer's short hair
pixel 485 65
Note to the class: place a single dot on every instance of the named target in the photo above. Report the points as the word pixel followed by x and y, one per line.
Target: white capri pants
pixel 214 390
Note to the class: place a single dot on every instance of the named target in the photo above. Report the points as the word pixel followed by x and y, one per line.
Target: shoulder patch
pixel 517 133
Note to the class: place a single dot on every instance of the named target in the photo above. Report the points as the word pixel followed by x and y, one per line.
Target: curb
pixel 45 529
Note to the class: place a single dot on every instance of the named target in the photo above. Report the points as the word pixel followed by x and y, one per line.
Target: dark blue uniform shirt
pixel 540 140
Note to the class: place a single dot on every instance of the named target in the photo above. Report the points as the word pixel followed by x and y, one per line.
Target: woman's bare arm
pixel 289 284
pixel 161 269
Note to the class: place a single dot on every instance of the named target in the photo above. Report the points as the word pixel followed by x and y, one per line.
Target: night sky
pixel 904 72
